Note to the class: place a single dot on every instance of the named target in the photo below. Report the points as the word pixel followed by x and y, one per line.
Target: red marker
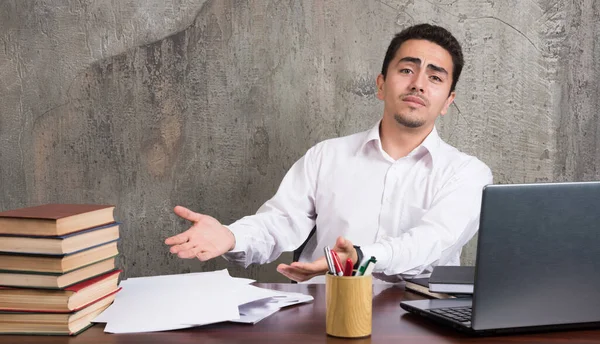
pixel 336 262
pixel 348 269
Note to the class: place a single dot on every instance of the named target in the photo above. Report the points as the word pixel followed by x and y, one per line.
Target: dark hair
pixel 434 34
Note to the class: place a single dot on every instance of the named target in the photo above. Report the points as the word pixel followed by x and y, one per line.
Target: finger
pixel 178 239
pixel 291 273
pixel 318 266
pixel 183 247
pixel 320 261
pixel 282 267
pixel 286 269
pixel 299 277
pixel 301 267
pixel 187 214
pixel 342 243
pixel 296 274
pixel 189 254
pixel 205 255
pixel 283 272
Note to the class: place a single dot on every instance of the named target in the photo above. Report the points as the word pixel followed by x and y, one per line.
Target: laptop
pixel 538 262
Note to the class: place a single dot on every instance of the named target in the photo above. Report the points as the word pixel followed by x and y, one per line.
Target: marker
pixel 330 265
pixel 363 266
pixel 363 262
pixel 348 267
pixel 336 262
pixel 370 267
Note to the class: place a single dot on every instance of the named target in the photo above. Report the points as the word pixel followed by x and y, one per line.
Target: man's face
pixel 416 88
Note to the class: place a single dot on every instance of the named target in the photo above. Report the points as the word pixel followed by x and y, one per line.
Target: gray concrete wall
pixel 149 104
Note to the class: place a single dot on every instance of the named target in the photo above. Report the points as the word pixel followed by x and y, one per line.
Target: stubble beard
pixel 408 122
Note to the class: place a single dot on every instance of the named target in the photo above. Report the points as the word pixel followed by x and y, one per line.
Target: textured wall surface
pixel 150 104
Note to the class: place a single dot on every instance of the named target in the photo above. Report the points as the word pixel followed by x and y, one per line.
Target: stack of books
pixel 57 267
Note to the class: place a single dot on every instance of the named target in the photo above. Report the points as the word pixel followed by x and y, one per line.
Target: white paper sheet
pixel 253 312
pixel 169 302
pixel 158 282
pixel 250 293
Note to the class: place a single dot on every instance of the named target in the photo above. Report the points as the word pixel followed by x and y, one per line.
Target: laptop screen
pixel 538 254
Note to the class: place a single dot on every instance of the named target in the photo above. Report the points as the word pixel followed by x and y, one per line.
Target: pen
pixel 348 268
pixel 336 262
pixel 330 265
pixel 364 264
pixel 370 267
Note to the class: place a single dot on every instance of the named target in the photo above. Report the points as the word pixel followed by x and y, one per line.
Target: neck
pixel 397 140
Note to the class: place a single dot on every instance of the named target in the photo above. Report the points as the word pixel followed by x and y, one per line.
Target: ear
pixel 380 85
pixel 448 103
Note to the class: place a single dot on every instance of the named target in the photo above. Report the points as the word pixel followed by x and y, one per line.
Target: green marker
pixel 364 265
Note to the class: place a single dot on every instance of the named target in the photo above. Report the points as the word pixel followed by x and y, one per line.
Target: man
pixel 397 191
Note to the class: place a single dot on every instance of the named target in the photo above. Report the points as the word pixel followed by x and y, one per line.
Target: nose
pixel 418 83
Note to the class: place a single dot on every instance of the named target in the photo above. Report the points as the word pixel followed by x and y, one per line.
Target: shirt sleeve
pixel 442 231
pixel 284 222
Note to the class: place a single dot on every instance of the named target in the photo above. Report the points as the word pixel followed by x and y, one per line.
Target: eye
pixel 436 78
pixel 405 71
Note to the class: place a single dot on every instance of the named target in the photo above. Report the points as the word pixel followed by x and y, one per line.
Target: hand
pixel 300 272
pixel 206 239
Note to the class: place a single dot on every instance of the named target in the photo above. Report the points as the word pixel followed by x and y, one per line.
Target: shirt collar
pixel 431 142
pixel 372 135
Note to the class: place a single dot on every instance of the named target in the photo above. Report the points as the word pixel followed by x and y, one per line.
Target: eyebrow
pixel 417 61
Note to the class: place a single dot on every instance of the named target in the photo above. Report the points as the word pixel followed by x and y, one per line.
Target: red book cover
pixel 78 286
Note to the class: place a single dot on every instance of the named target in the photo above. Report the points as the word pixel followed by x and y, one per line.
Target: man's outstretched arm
pixel 206 239
pixel 281 224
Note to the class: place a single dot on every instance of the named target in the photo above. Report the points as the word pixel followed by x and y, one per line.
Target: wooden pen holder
pixel 349 304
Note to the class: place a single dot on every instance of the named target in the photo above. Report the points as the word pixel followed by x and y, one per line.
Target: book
pixel 55 219
pixel 59 245
pixel 69 299
pixel 452 279
pixel 57 264
pixel 55 281
pixel 421 286
pixel 53 323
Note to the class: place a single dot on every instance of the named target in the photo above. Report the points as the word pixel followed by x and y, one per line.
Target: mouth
pixel 414 100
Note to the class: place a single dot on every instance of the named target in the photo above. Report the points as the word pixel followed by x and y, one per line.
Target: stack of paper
pixel 172 302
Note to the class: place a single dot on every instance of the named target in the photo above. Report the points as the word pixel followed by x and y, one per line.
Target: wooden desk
pixel 306 324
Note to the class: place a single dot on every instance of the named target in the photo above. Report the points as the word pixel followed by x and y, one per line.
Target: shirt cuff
pixel 241 241
pixel 380 252
pixel 238 253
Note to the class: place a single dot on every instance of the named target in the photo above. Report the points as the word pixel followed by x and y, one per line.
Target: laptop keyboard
pixel 460 314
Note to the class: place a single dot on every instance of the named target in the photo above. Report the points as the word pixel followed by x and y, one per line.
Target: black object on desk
pixel 452 279
pixel 537 255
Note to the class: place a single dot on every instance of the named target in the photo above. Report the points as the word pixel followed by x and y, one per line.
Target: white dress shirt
pixel 411 214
